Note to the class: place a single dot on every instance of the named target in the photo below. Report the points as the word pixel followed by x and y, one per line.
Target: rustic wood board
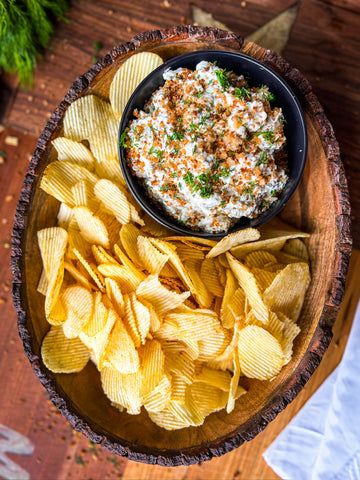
pixel 62 454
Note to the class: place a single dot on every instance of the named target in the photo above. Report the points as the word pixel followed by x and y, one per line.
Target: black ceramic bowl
pixel 256 74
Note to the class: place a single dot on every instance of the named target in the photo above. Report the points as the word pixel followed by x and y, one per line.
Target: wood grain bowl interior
pixel 319 206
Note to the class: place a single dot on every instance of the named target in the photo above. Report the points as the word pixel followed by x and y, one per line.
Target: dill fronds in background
pixel 26 27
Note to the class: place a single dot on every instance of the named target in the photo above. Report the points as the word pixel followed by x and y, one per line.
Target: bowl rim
pixel 322 334
pixel 150 207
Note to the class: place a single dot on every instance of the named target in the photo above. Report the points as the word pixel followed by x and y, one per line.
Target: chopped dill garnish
pixel 222 77
pixel 242 93
pixel 262 160
pixel 123 136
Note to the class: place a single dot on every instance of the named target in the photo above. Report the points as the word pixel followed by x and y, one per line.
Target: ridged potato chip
pixel 113 291
pixel 236 305
pixel 78 276
pixel 234 382
pixel 260 259
pixel 260 354
pixel 178 389
pixel 143 317
pixel 128 77
pixel 128 236
pixel 152 366
pixel 110 170
pixel 125 260
pixel 79 304
pixel 159 296
pixel 216 378
pixel 287 292
pixel 248 283
pixel 271 244
pixel 232 240
pixel 64 216
pixel 61 354
pixel 154 228
pixel 289 333
pixel 197 240
pixel 226 315
pixel 158 398
pixel 153 260
pixel 113 199
pixel 207 398
pixel 123 389
pixel 186 252
pixel 131 321
pixel 264 278
pixel 210 276
pixel 175 416
pixel 179 363
pixel 99 318
pixel 94 274
pixel 120 351
pixel 43 283
pixel 59 177
pixel 76 152
pixel 203 296
pixel 91 227
pixel 102 256
pixel 126 279
pixel 296 248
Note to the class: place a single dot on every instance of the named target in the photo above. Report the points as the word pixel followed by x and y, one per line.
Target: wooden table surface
pixel 323 42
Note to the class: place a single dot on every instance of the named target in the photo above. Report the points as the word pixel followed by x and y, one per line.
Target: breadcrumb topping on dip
pixel 208 148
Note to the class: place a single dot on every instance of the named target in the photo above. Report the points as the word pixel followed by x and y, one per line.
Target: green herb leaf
pixel 242 93
pixel 262 160
pixel 123 137
pixel 176 136
pixel 222 78
pixel 268 135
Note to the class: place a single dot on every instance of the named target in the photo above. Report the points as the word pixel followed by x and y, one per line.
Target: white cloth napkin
pixel 322 442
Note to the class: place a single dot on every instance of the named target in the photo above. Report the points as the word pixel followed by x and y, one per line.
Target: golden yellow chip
pixel 102 256
pixel 61 354
pixel 216 378
pixel 158 398
pixel 152 365
pixel 264 278
pixel 90 270
pixel 142 315
pixel 113 199
pixel 79 304
pixel 64 216
pixel 197 240
pixel 178 389
pixel 91 227
pixel 226 315
pixel 207 398
pixel 77 242
pixel 233 383
pixel 296 248
pixel 110 170
pixel 179 363
pixel 128 236
pixel 153 228
pixel 113 291
pixel 248 283
pixel 81 194
pixel 272 244
pixel 120 351
pixel 162 299
pixel 175 416
pixel 125 260
pixel 76 152
pixel 78 276
pixel 203 296
pixel 131 321
pixel 59 177
pixel 127 280
pixel 123 389
pixel 128 77
pixel 187 252
pixel 43 283
pixel 260 259
pixel 210 276
pixel 151 258
pixel 232 240
pixel 289 333
pixel 213 344
pixel 287 292
pixel 260 354
pixel 98 319
pixel 236 305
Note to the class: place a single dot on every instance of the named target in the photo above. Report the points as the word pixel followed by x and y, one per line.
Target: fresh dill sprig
pixel 222 78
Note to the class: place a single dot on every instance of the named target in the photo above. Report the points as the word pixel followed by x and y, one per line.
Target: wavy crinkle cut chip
pixel 64 216
pixel 210 276
pixel 126 279
pixel 290 331
pixel 272 244
pixel 83 195
pixel 264 278
pixel 78 276
pixel 188 326
pixel 260 353
pixel 59 177
pixel 76 152
pixel 113 292
pixel 61 354
pixel 152 360
pixel 186 252
pixel 120 351
pixel 143 317
pixel 297 248
pixel 234 239
pixel 158 398
pixel 114 200
pixel 206 242
pixel 174 284
pixel 91 227
pixel 91 118
pixel 77 242
pixel 122 389
pixel 97 343
pixel 236 305
pixel 125 260
pixel 162 299
pixel 226 314
pixel 89 269
pixel 128 77
pixel 58 313
pixel 284 259
pixel 287 292
pixel 275 326
pixel 189 346
pixel 211 346
pixel 175 416
pixel 151 258
pixel 79 305
pixel 175 262
pixel 43 283
pixel 110 170
pixel 102 256
pixel 179 363
pixel 213 377
pixel 128 237
pixel 155 321
pixel 260 259
pixel 206 398
pixel 178 388
pixel 131 321
pixel 98 319
pixel 251 289
pixel 202 295
pixel 235 390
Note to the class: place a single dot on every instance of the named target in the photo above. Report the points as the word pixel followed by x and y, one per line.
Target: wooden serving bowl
pixel 319 206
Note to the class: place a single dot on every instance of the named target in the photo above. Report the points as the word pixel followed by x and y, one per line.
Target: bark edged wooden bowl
pixel 320 206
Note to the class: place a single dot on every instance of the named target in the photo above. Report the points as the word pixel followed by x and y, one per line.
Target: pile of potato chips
pixel 172 323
